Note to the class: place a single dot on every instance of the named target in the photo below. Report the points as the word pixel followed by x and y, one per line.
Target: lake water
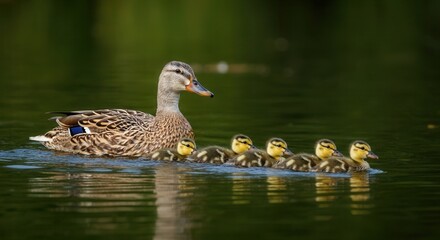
pixel 300 71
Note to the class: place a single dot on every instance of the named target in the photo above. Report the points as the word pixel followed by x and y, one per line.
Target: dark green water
pixel 300 71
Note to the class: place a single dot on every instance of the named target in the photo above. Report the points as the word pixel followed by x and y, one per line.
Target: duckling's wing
pixel 105 119
pixel 334 165
pixel 302 162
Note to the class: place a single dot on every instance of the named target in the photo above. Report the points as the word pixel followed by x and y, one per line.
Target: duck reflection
pixel 330 188
pixel 132 195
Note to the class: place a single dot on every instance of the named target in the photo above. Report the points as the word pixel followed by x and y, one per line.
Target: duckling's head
pixel 277 148
pixel 360 150
pixel 177 77
pixel 186 146
pixel 241 143
pixel 326 148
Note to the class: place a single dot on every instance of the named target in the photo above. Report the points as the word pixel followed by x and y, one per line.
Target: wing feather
pixel 105 119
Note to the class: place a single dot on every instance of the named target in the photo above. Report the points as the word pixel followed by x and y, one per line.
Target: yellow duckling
pixel 185 147
pixel 304 162
pixel 359 151
pixel 219 155
pixel 276 149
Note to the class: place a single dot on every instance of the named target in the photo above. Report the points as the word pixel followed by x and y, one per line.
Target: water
pixel 300 71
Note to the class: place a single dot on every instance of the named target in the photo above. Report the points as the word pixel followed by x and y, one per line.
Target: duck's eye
pixel 195 83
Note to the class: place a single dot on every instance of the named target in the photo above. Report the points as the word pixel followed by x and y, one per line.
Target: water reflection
pixel 171 222
pixel 330 188
pixel 277 189
pixel 241 192
pixel 110 192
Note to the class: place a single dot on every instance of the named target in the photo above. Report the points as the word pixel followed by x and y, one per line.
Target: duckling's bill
pixel 372 155
pixel 336 153
pixel 288 153
pixel 195 87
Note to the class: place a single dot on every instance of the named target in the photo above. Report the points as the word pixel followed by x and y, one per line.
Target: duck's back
pixel 115 132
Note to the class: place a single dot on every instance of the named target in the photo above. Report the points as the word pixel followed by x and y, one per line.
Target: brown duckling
pixel 359 151
pixel 219 155
pixel 304 162
pixel 276 150
pixel 185 147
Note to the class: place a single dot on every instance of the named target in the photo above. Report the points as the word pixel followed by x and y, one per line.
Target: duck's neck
pixel 167 102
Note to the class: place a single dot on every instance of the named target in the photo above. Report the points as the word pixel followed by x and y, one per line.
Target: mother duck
pixel 122 132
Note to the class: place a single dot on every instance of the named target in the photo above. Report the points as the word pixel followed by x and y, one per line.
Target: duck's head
pixel 360 150
pixel 241 143
pixel 277 148
pixel 186 146
pixel 178 77
pixel 326 148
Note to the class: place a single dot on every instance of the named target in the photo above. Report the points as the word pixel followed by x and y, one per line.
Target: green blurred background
pixel 300 70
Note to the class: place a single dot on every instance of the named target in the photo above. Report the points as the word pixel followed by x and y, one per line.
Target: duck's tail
pixel 40 138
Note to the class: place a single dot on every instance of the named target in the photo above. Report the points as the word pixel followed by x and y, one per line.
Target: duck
pixel 276 150
pixel 359 151
pixel 124 132
pixel 185 147
pixel 220 155
pixel 305 162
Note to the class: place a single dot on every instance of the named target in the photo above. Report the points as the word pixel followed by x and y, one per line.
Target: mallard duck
pixel 219 155
pixel 304 162
pixel 120 132
pixel 185 147
pixel 276 149
pixel 359 151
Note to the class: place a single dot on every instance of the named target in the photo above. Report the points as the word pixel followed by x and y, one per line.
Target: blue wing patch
pixel 76 130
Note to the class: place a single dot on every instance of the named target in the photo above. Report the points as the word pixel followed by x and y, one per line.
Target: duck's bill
pixel 336 153
pixel 196 87
pixel 372 155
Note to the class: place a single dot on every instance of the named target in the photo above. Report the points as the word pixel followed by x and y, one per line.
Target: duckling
pixel 304 162
pixel 276 150
pixel 185 147
pixel 219 155
pixel 131 133
pixel 359 151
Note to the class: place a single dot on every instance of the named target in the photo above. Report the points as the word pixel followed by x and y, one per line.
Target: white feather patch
pixel 40 138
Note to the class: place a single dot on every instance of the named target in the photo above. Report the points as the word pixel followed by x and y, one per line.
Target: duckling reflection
pixel 276 189
pixel 171 222
pixel 241 192
pixel 330 188
pixel 360 193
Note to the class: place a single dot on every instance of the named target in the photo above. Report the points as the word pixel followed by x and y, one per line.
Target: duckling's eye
pixel 280 146
pixel 195 83
pixel 178 71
